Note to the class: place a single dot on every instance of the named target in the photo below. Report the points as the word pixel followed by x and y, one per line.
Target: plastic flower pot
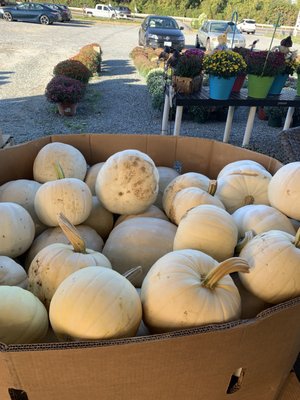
pixel 238 84
pixel 220 88
pixel 278 84
pixel 259 86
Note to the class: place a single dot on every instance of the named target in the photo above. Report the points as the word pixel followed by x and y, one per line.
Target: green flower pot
pixel 298 85
pixel 259 86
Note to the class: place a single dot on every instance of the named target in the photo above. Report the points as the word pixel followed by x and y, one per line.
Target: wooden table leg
pixel 249 126
pixel 289 118
pixel 228 125
pixel 178 118
pixel 164 125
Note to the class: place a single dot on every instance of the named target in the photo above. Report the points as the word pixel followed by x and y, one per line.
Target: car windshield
pixel 222 27
pixel 165 23
pixel 250 21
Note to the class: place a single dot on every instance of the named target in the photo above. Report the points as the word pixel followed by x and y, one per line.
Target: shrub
pixel 145 59
pixel 90 56
pixel 62 89
pixel 73 69
pixel 156 85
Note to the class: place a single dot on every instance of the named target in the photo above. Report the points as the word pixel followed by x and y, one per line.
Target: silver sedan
pixel 211 29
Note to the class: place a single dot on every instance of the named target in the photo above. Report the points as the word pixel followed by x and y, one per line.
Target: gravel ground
pixel 115 102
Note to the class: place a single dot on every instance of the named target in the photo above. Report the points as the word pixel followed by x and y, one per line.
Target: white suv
pixel 247 25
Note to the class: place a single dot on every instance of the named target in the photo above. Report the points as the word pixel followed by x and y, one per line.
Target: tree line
pixel 263 11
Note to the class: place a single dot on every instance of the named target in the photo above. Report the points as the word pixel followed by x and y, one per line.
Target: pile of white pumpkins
pixel 125 247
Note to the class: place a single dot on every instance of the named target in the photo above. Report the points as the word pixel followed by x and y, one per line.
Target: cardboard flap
pixel 192 154
pixel 196 364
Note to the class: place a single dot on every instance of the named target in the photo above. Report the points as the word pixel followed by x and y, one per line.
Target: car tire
pixel 7 16
pixel 44 20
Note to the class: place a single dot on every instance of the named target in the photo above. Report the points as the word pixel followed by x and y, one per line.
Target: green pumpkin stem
pixel 248 200
pixel 233 264
pixel 132 273
pixel 297 239
pixel 59 171
pixel 212 188
pixel 71 234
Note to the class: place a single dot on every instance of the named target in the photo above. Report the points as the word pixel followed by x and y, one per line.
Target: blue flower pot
pixel 278 84
pixel 220 88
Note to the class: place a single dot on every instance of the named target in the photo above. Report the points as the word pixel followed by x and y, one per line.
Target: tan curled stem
pixel 297 239
pixel 243 241
pixel 132 273
pixel 71 234
pixel 212 188
pixel 233 264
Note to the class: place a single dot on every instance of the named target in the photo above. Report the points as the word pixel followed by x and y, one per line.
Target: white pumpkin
pixel 274 260
pixel 100 219
pixel 16 230
pixel 240 166
pixel 71 160
pixel 284 190
pixel 139 241
pixel 128 182
pixel 91 176
pixel 23 318
pixel 55 235
pixel 188 179
pixel 151 212
pixel 260 218
pixel 209 229
pixel 240 189
pixel 71 196
pixel 188 198
pixel 95 303
pixel 12 273
pixel 187 288
pixel 57 261
pixel 166 175
pixel 22 191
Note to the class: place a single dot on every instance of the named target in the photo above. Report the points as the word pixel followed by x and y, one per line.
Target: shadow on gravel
pixel 117 67
pixel 81 24
pixel 4 77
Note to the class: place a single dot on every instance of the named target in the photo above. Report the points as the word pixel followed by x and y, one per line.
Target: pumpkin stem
pixel 243 241
pixel 59 170
pixel 212 187
pixel 297 239
pixel 132 273
pixel 248 200
pixel 72 234
pixel 233 264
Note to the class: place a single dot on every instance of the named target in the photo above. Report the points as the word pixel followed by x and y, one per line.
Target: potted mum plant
pixel 262 67
pixel 188 69
pixel 66 92
pixel 223 67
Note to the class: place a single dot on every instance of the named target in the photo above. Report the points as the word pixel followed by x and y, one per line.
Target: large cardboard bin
pixel 191 364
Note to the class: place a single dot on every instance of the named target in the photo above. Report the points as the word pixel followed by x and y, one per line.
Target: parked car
pixel 160 31
pixel 211 29
pixel 122 12
pixel 68 11
pixel 247 25
pixel 31 12
pixel 101 10
pixel 65 14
